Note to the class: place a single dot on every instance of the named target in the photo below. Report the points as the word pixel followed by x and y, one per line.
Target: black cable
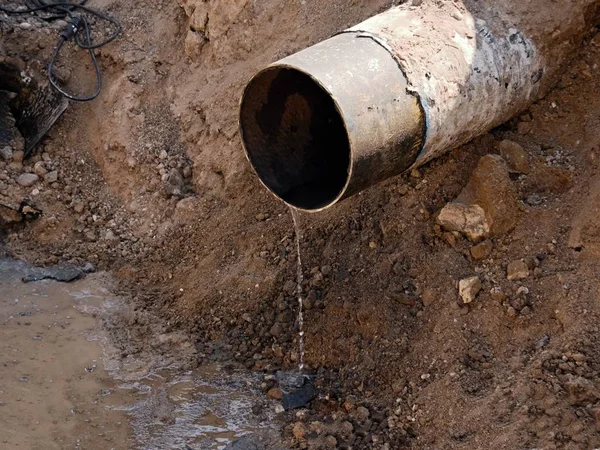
pixel 77 26
pixel 70 31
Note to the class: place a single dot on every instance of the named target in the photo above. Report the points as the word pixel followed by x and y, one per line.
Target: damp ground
pixel 63 384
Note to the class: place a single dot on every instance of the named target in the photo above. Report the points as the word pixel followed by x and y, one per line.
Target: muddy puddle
pixel 63 386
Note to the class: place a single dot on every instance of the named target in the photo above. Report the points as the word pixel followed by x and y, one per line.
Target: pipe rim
pixel 350 167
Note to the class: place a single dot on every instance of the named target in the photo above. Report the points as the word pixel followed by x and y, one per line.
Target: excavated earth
pixel 152 185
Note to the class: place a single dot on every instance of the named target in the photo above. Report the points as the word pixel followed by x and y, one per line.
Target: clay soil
pixel 154 187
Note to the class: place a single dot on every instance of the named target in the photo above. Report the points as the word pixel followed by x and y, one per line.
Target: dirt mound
pixel 152 184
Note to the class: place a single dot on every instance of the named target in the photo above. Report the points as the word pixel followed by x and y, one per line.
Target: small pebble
pixel 28 179
pixel 517 270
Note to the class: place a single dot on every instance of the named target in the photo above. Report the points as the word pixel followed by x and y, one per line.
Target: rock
pixel 9 216
pixel 525 117
pixel 40 169
pixel 482 251
pixel 361 414
pixel 275 393
pixel 18 156
pixel 491 188
pixel 275 330
pixel 515 156
pixel 6 153
pixel 456 15
pixel 581 391
pixel 309 301
pixel 299 431
pixel 301 396
pixel 399 268
pixel 330 442
pixel 487 206
pixel 79 207
pixel 517 270
pixel 519 303
pixel 469 288
pixel 533 199
pixel 110 236
pixel 524 128
pixel 428 297
pixel 174 185
pixel 290 287
pixel 326 270
pixel 346 428
pixel 61 272
pixel 469 220
pixel 28 179
pixel 245 443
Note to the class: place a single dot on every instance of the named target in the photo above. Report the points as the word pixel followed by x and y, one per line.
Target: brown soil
pixel 153 185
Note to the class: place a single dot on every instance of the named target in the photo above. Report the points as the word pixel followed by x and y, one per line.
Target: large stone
pixel 491 188
pixel 28 179
pixel 300 397
pixel 487 206
pixel 515 156
pixel 517 270
pixel 469 288
pixel 467 219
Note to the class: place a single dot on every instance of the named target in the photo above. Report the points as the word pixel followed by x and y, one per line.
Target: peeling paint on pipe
pixel 400 89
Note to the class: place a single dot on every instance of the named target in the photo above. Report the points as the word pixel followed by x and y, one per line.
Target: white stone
pixel 469 220
pixel 469 288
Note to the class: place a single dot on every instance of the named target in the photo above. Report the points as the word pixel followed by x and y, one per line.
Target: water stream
pixel 299 280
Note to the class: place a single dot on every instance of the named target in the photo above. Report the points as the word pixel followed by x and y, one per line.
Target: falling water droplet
pixel 299 280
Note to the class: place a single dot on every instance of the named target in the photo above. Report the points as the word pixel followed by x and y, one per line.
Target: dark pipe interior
pixel 295 138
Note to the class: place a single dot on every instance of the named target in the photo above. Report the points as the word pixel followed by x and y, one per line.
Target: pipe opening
pixel 295 138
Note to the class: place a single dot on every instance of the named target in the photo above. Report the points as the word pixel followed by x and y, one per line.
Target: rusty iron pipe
pixel 400 89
